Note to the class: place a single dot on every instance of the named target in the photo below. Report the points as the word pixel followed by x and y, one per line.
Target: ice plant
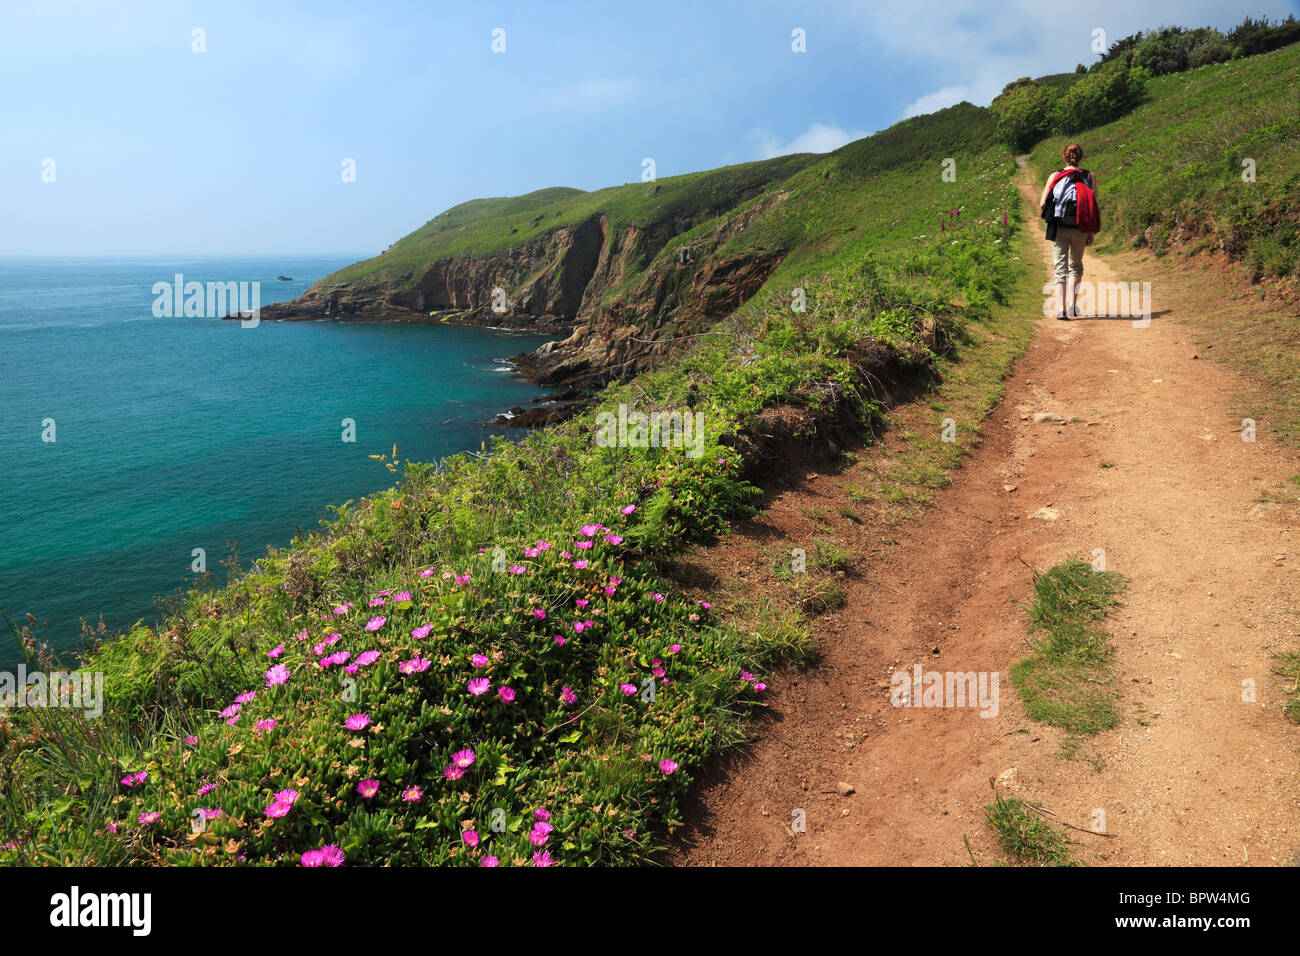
pixel 667 766
pixel 366 658
pixel 375 623
pixel 264 726
pixel 463 758
pixel 479 660
pixel 275 652
pixel 422 631
pixel 415 665
pixel 507 694
pixel 490 861
pixel 627 509
pixel 246 696
pixel 478 686
pixel 277 675
pixel 628 689
pixel 412 794
pixel 470 837
pixel 368 788
pixel 357 722
pixel 543 858
pixel 567 696
pixel 148 817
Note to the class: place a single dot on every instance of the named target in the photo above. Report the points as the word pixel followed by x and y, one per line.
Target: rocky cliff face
pixel 613 297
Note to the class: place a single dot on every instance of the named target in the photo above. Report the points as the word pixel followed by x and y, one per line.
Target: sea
pixel 133 443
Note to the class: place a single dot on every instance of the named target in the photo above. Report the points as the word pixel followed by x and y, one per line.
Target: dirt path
pixel 1193 774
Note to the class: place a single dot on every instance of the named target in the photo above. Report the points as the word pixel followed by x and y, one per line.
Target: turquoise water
pixel 179 433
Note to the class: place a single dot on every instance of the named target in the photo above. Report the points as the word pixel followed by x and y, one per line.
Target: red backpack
pixel 1087 216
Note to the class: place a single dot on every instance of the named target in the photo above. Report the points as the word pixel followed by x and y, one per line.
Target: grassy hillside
pixel 516 678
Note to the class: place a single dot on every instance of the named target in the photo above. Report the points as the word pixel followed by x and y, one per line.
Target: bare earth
pixel 1193 774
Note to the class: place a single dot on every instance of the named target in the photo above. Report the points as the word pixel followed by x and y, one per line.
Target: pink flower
pixel 402 596
pixel 377 602
pixel 590 529
pixel 375 623
pixel 627 689
pixel 581 602
pixel 427 572
pixel 462 579
pixel 206 788
pixel 415 665
pixel 541 813
pixel 532 552
pixel 760 686
pixel 210 814
pixel 560 639
pixel 452 772
pixel 351 669
pixel 706 605
pixel 368 788
pixel 478 686
pixel 328 855
pixel 610 589
pixel 539 614
pixel 667 766
pixel 540 833
pixel 613 539
pixel 543 858
pixel 507 694
pixel 615 581
pixel 565 555
pixel 277 675
pixel 422 631
pixel 302 635
pixel 366 658
pixel 674 648
pixel 583 545
pixel 470 837
pixel 567 696
pixel 579 565
pixel 265 726
pixel 357 722
pixel 746 675
pixel 278 809
pixel 463 758
pixel 343 608
pixel 289 797
pixel 246 696
pixel 412 794
pixel 479 660
pixel 658 598
pixel 490 861
pixel 627 509
pixel 275 652
pixel 192 741
pixel 231 713
pixel 149 817
pixel 517 569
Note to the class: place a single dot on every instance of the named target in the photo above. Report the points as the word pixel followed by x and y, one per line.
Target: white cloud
pixel 588 94
pixel 939 99
pixel 818 138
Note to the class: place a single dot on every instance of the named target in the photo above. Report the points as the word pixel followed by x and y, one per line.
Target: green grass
pixel 1068 681
pixel 1024 836
pixel 1288 667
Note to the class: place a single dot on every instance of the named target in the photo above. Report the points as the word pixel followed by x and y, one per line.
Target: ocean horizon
pixel 136 442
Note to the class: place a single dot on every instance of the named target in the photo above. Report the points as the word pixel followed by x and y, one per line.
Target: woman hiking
pixel 1069 204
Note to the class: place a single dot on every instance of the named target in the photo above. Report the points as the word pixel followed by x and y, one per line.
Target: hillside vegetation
pixel 489 663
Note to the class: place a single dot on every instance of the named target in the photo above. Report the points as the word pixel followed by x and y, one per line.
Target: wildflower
pixel 583 545
pixel 657 671
pixel 760 686
pixel 613 539
pixel 479 660
pixel 567 696
pixel 706 605
pixel 540 833
pixel 543 858
pixel 615 581
pixel 478 686
pixel 463 758
pixel 580 564
pixel 402 596
pixel 532 552
pixel 289 797
pixel 490 861
pixel 377 602
pixel 265 726
pixel 452 772
pixel 541 813
pixel 539 613
pixel 427 572
pixel 416 665
pixel 368 788
pixel 375 623
pixel 746 675
pixel 245 697
pixel 470 837
pixel 343 608
pixel 366 658
pixel 111 826
pixel 657 597
pixel 351 669
pixel 609 590
pixel 581 602
pixel 209 814
pixel 412 794
pixel 206 789
pixel 302 635
pixel 667 766
pixel 507 694
pixel 674 648
pixel 627 509
pixel 560 639
pixel 579 626
pixel 462 579
pixel 275 652
pixel 543 545
pixel 328 855
pixel 192 741
pixel 231 713
pixel 517 569
pixel 357 722
pixel 278 809
pixel 628 689
pixel 135 779
pixel 422 631
pixel 277 675
pixel 148 817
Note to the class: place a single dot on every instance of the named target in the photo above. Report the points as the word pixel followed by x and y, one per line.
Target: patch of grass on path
pixel 1025 836
pixel 1288 666
pixel 1068 681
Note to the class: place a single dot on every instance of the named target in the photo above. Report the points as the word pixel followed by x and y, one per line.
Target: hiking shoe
pixel 1063 317
pixel 1074 311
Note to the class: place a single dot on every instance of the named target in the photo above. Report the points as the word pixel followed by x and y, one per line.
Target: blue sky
pixel 159 149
